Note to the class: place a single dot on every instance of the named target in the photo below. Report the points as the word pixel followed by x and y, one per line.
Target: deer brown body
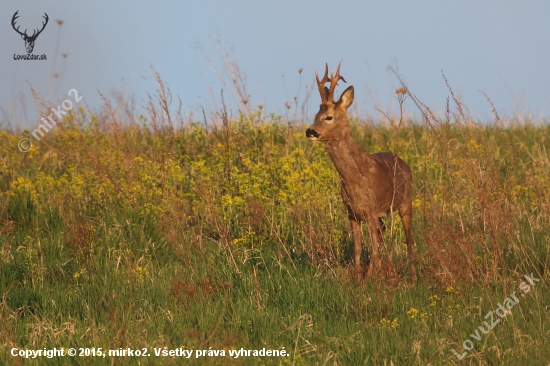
pixel 373 185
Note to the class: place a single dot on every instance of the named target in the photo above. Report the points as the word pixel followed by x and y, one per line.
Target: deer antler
pixel 321 84
pixel 327 95
pixel 334 80
pixel 15 16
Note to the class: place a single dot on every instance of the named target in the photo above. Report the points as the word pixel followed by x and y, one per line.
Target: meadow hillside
pixel 155 232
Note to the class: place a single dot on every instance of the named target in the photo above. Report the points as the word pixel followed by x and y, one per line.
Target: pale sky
pixel 497 46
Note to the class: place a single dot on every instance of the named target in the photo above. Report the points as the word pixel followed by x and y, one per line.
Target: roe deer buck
pixel 373 186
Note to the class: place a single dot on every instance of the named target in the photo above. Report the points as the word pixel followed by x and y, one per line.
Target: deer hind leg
pixel 406 218
pixel 357 237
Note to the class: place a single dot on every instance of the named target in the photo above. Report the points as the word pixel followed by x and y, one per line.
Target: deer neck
pixel 348 157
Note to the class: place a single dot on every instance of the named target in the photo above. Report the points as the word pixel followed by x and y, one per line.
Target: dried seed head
pixel 401 91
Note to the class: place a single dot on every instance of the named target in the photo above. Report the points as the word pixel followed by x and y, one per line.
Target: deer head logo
pixel 29 40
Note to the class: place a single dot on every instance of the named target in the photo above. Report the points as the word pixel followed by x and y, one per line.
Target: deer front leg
pixel 357 237
pixel 375 238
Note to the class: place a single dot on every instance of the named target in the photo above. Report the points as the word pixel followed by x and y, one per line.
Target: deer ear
pixel 23 36
pixel 346 98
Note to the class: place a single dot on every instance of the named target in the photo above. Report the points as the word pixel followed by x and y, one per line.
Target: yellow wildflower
pixel 412 313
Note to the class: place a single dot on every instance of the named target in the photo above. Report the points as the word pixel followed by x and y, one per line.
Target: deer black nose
pixel 311 133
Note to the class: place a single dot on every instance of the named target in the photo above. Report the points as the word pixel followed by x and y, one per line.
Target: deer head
pixel 332 118
pixel 29 40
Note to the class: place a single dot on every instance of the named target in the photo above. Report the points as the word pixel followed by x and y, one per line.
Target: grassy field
pixel 125 232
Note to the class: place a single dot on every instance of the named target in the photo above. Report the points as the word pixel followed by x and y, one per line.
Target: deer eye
pixel 328 118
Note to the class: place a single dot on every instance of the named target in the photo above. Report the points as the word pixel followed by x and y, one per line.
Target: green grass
pixel 235 237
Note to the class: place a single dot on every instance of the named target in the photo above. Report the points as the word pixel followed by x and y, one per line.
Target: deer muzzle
pixel 312 134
